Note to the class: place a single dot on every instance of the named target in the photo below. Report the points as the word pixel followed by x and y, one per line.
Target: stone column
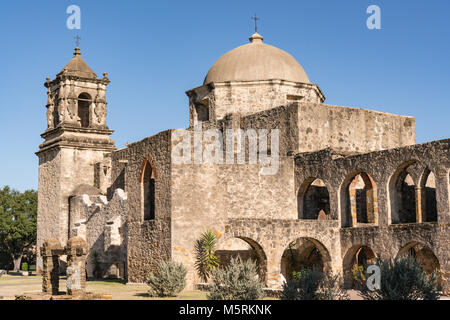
pixel 76 250
pixel 353 209
pixel 420 201
pixel 50 252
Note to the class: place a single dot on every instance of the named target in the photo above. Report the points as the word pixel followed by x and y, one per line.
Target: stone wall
pixel 103 224
pixel 149 241
pixel 271 237
pixel 48 222
pixel 205 196
pixel 319 126
pixel 60 173
pixel 351 129
pixel 385 238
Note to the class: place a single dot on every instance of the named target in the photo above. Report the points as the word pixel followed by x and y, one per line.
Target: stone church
pixel 352 184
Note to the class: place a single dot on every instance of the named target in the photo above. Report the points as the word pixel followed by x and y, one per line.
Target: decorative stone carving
pixel 100 107
pixel 50 105
pixel 100 111
pixel 50 118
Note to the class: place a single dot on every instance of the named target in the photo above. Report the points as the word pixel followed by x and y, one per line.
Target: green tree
pixel 206 261
pixel 18 214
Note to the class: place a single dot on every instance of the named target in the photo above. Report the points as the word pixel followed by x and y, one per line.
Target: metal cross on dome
pixel 256 22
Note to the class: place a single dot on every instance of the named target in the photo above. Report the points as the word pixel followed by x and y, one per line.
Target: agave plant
pixel 206 260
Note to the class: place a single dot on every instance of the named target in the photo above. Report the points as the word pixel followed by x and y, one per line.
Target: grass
pixel 14 285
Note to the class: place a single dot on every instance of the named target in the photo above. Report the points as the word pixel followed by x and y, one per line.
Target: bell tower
pixel 76 138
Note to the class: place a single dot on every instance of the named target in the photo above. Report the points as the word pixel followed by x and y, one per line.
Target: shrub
pixel 237 281
pixel 311 284
pixel 24 266
pixel 403 279
pixel 206 261
pixel 359 276
pixel 168 281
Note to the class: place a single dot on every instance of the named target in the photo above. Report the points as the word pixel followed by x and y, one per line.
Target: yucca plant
pixel 206 261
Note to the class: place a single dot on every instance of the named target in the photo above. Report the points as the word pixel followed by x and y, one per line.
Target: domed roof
pixel 256 61
pixel 78 67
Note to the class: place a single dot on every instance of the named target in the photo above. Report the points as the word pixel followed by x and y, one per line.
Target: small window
pixel 148 191
pixel 294 97
pixel 202 111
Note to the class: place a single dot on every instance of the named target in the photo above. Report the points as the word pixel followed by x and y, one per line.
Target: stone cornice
pixel 75 146
pixel 61 77
pixel 212 85
pixel 69 128
pixel 77 137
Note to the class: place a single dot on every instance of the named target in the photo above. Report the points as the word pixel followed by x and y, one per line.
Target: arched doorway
pixel 355 262
pixel 304 253
pixel 246 249
pixel 313 200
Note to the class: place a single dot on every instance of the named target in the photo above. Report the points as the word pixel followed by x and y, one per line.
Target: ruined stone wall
pixel 308 127
pixel 351 129
pixel 149 241
pixel 103 225
pixel 388 241
pixel 337 170
pixel 319 126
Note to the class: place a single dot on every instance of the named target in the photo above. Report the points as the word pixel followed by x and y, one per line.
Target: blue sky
pixel 154 51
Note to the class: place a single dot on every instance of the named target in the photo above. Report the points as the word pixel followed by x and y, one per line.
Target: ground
pixel 13 285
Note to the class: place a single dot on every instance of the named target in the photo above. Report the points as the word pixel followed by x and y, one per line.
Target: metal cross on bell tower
pixel 256 22
pixel 77 40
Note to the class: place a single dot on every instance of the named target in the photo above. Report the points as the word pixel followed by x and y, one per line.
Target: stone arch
pixel 358 256
pixel 313 200
pixel 427 204
pixel 304 252
pixel 147 181
pixel 255 252
pixel 84 105
pixel 359 199
pixel 402 195
pixel 422 253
